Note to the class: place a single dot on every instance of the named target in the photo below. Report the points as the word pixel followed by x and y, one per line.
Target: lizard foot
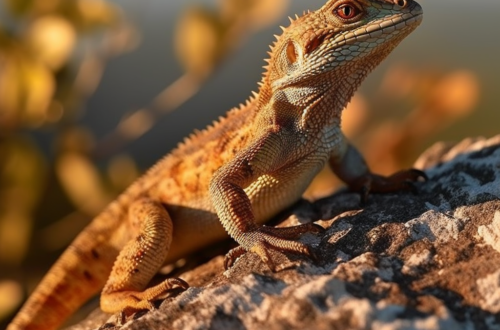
pixel 373 183
pixel 136 301
pixel 266 238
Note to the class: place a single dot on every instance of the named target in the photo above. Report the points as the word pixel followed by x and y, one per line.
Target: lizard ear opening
pixel 291 52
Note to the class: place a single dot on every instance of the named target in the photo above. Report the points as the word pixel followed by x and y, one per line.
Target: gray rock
pixel 403 261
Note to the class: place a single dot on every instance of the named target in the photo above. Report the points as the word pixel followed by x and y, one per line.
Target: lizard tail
pixel 77 275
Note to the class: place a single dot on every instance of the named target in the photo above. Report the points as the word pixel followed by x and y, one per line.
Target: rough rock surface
pixel 403 261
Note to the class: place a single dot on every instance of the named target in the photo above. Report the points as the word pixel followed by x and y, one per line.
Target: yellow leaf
pixel 26 90
pixel 198 41
pixel 15 233
pixel 22 178
pixel 76 139
pixel 51 40
pixel 136 124
pixel 82 183
pixel 97 12
pixel 457 93
pixel 22 174
pixel 255 13
pixel 11 295
pixel 33 7
pixel 10 89
pixel 122 171
pixel 38 89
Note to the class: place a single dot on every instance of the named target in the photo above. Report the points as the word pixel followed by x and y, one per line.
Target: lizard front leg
pixel 350 166
pixel 125 291
pixel 234 207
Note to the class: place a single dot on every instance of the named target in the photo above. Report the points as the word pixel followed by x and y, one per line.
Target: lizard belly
pixel 272 193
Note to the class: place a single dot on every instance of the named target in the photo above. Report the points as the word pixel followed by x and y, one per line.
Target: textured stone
pixel 403 261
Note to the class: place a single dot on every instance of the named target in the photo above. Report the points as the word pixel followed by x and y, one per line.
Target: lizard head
pixel 342 42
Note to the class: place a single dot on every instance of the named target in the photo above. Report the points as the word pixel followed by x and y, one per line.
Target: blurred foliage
pixel 52 53
pixel 52 56
pixel 41 54
pixel 204 37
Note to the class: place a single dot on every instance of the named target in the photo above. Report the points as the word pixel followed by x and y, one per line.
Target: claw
pixel 313 255
pixel 420 174
pixel 291 233
pixel 232 256
pixel 175 281
pixel 261 250
pixel 403 180
pixel 265 238
pixel 365 189
pixel 121 318
pixel 407 175
pixel 317 229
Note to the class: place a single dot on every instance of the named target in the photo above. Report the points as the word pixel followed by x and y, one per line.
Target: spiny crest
pixel 197 141
pixel 198 135
pixel 296 24
pixel 284 37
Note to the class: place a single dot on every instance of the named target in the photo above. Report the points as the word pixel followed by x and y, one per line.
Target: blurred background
pixel 93 92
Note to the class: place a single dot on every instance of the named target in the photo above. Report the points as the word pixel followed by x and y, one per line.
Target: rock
pixel 403 261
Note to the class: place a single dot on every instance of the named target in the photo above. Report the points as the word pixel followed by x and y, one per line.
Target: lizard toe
pixel 292 232
pixel 232 256
pixel 264 241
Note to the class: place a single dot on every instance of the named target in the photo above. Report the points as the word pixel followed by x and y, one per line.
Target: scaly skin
pixel 238 173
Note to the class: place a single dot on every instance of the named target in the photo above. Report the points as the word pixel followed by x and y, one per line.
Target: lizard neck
pixel 312 105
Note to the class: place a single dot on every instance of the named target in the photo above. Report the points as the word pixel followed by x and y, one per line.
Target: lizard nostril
pixel 401 3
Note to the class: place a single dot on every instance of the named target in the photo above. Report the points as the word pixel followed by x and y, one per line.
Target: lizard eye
pixel 347 11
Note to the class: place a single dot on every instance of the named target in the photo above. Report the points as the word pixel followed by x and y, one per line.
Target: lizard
pixel 233 176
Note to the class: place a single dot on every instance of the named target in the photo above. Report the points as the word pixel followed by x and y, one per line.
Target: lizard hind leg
pixel 125 291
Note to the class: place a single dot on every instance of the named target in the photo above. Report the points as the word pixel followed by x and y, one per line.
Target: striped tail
pixel 79 274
